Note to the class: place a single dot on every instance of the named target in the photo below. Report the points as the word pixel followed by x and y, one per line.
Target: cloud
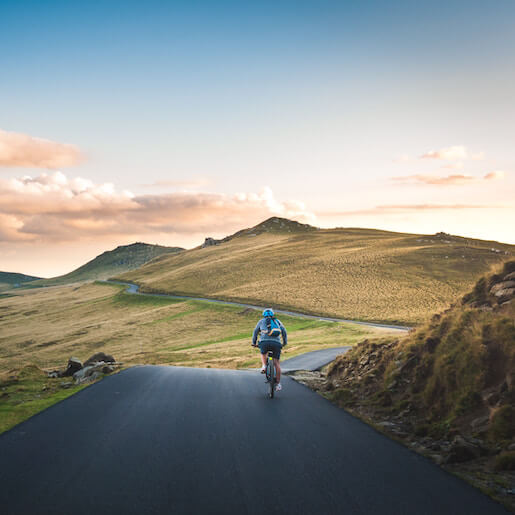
pixel 450 153
pixel 193 183
pixel 22 150
pixel 405 208
pixel 454 166
pixel 496 175
pixel 52 207
pixel 435 180
pixel 478 157
pixel 448 180
pixel 402 158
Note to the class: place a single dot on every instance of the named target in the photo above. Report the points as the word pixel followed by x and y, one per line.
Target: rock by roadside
pixel 93 368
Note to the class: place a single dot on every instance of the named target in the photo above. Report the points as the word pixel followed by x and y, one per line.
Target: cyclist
pixel 269 341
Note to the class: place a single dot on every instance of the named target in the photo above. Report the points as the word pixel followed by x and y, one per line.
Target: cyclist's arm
pixel 284 334
pixel 255 334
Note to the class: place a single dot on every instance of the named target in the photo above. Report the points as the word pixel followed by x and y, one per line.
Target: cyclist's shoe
pixel 278 387
pixel 263 369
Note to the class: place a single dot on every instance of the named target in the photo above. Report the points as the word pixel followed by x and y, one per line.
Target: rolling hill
pixel 10 280
pixel 110 263
pixel 363 274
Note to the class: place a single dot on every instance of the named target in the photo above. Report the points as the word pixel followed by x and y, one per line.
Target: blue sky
pixel 321 103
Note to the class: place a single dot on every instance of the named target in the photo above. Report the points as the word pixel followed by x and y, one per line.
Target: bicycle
pixel 270 373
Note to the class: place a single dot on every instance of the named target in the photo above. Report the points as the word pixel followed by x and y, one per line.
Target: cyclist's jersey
pixel 262 328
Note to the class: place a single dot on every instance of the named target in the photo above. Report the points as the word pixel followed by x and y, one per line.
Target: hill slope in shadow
pixel 110 263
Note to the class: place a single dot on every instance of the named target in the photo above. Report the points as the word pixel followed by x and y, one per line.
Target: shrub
pixel 503 423
pixel 468 402
pixel 505 461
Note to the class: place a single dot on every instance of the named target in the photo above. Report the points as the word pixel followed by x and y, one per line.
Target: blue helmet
pixel 269 312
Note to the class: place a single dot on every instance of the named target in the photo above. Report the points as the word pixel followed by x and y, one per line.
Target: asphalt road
pixel 167 440
pixel 312 360
pixel 134 289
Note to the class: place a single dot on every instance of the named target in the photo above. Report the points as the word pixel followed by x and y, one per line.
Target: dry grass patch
pixel 350 273
pixel 47 326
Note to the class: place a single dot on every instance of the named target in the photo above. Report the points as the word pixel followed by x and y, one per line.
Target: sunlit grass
pixel 47 326
pixel 348 273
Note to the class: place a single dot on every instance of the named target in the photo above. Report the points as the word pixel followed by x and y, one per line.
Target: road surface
pixel 134 289
pixel 312 360
pixel 169 440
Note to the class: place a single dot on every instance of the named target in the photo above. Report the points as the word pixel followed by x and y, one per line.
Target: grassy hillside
pixel 10 280
pixel 361 274
pixel 448 388
pixel 47 326
pixel 111 262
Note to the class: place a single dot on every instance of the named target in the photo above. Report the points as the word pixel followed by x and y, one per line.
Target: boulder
pixel 501 286
pixel 82 375
pixel 92 372
pixel 462 451
pixel 209 242
pixel 99 356
pixel 74 365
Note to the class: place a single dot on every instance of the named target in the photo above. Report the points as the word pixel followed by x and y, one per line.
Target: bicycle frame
pixel 270 373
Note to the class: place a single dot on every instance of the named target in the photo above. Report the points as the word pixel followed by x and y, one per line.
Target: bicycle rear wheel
pixel 272 377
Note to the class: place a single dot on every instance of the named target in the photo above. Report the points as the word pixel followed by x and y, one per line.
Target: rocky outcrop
pixel 490 293
pixel 210 242
pixel 74 365
pixel 99 356
pixel 93 368
pixel 446 390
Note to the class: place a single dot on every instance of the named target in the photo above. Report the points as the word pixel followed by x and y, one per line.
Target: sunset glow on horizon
pixel 167 122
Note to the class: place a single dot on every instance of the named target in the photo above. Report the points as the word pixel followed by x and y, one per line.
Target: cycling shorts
pixel 271 345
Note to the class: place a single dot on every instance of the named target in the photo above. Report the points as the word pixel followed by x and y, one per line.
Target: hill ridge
pixel 274 224
pixel 360 274
pixel 121 259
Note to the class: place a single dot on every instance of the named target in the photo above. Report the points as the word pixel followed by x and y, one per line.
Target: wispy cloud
pixel 448 180
pixel 55 208
pixel 22 150
pixel 405 208
pixel 493 176
pixel 193 183
pixel 449 153
pixel 453 166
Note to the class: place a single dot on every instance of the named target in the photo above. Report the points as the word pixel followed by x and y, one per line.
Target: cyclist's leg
pixel 277 370
pixel 263 349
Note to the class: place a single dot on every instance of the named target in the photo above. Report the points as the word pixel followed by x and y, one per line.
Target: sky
pixel 167 122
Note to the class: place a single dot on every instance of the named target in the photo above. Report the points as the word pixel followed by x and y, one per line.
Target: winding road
pixel 134 289
pixel 170 440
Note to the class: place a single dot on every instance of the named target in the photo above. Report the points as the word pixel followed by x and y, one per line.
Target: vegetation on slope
pixel 111 262
pixel 10 280
pixel 360 274
pixel 42 328
pixel 47 326
pixel 27 391
pixel 448 387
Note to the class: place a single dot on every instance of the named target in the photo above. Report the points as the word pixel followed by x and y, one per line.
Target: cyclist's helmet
pixel 269 312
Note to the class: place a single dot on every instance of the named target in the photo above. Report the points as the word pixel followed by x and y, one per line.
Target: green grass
pixel 46 326
pixel 27 392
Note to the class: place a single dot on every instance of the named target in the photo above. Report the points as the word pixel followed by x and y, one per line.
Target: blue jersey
pixel 262 328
